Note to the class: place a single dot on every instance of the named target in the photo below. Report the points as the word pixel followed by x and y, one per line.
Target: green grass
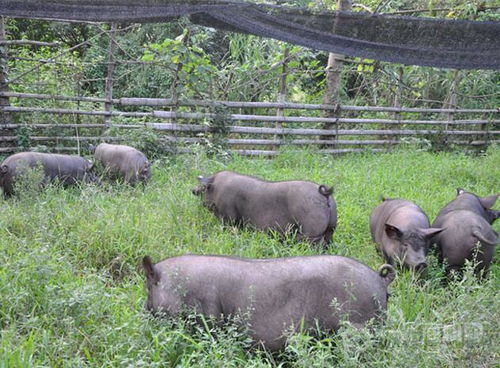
pixel 72 291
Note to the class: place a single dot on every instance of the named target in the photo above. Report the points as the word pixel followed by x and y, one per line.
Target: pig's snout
pixel 421 266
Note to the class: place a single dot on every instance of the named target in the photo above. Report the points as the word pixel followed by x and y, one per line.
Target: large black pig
pixel 401 229
pixel 468 234
pixel 283 206
pixel 67 169
pixel 270 297
pixel 470 202
pixel 123 162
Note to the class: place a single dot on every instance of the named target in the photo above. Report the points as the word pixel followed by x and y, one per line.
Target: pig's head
pixel 480 205
pixel 161 299
pixel 152 284
pixel 4 170
pixel 409 246
pixel 145 172
pixel 205 189
pixel 90 175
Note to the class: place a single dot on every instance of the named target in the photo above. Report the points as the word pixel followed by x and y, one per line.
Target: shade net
pixel 408 40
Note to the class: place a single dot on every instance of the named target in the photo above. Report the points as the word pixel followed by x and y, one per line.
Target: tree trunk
pixel 174 93
pixel 451 100
pixel 333 70
pixel 4 87
pixel 399 94
pixel 283 89
pixel 108 106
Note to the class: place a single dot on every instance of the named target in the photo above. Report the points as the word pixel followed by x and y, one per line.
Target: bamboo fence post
pixel 78 117
pixel 451 100
pixel 5 118
pixel 396 115
pixel 334 68
pixel 399 94
pixel 283 92
pixel 4 86
pixel 175 84
pixel 108 105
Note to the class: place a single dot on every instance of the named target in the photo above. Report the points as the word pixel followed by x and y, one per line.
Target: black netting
pixel 408 40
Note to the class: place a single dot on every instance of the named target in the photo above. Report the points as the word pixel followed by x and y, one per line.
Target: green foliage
pixel 365 66
pixel 135 79
pixel 190 63
pixel 73 291
pixel 3 61
pixel 28 181
pixel 70 34
pixel 216 139
pixel 53 78
pixel 146 140
pixel 23 137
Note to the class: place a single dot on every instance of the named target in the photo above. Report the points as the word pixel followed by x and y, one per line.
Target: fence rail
pixel 244 117
pixel 166 102
pixel 76 121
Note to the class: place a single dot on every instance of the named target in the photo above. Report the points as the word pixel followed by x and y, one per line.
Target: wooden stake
pixel 4 87
pixel 108 105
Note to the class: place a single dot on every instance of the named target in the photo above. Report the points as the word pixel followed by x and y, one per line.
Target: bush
pixel 146 140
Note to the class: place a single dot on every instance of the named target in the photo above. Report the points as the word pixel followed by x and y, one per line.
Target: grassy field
pixel 72 291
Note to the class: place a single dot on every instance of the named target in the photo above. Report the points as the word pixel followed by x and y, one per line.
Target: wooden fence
pixel 247 128
pixel 259 132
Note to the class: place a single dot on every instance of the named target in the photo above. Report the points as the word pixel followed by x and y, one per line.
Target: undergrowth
pixel 72 292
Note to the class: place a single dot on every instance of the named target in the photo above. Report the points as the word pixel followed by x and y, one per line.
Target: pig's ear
pixel 205 181
pixel 151 273
pixel 488 202
pixel 431 231
pixel 393 232
pixel 4 169
pixel 460 191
